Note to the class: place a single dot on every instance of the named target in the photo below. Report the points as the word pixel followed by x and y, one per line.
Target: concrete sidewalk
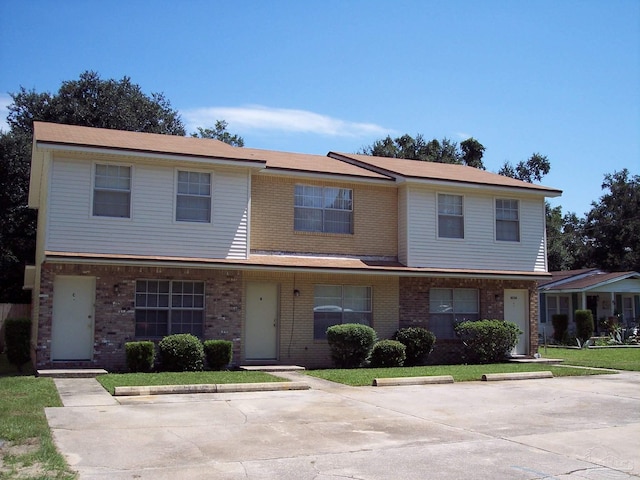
pixel 563 428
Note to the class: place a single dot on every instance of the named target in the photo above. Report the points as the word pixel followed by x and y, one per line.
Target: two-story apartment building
pixel 143 235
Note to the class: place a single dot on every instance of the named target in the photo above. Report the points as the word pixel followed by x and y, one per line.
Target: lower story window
pixel 557 304
pixel 336 304
pixel 165 307
pixel 449 306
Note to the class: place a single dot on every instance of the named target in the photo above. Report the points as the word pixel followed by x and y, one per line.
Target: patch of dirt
pixel 15 468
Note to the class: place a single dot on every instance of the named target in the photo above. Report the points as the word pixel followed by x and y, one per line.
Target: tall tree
pixel 219 132
pixel 93 102
pixel 565 240
pixel 472 152
pixel 88 101
pixel 612 227
pixel 469 152
pixel 536 167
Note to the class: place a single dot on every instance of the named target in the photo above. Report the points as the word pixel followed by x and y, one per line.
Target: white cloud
pixel 5 101
pixel 257 117
pixel 463 136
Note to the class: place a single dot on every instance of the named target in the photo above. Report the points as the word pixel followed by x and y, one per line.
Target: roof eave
pixel 172 157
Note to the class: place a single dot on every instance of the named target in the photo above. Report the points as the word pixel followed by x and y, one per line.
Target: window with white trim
pixel 507 220
pixel 193 202
pixel 450 306
pixel 165 307
pixel 557 304
pixel 323 209
pixel 112 191
pixel 336 304
pixel 450 216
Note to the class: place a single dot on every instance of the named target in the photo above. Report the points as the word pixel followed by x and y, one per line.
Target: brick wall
pixel 397 302
pixel 114 315
pixel 295 329
pixel 375 210
pixel 414 307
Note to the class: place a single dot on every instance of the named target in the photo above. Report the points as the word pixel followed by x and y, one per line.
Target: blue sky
pixel 561 78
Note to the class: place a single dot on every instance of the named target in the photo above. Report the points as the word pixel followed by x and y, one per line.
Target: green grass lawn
pixel 616 358
pixel 28 451
pixel 460 373
pixel 112 380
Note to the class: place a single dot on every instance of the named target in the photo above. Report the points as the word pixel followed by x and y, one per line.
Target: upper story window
pixel 323 209
pixel 112 191
pixel 193 202
pixel 450 216
pixel 507 220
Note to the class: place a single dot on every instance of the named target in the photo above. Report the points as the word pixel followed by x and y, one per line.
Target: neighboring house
pixel 607 294
pixel 143 235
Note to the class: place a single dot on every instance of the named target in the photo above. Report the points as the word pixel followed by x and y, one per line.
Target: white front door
pixel 516 310
pixel 261 322
pixel 72 323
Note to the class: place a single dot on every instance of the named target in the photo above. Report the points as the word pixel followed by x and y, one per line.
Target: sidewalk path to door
pixel 559 428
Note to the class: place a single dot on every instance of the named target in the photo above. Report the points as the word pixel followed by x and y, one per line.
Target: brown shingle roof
pixel 419 170
pixel 76 136
pixel 73 135
pixel 591 280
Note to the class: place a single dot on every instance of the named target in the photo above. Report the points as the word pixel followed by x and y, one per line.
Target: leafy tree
pixel 219 132
pixel 532 170
pixel 565 240
pixel 469 152
pixel 18 225
pixel 88 101
pixel 472 152
pixel 93 102
pixel 612 227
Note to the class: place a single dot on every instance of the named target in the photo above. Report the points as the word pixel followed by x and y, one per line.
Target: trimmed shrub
pixel 17 336
pixel 584 324
pixel 182 352
pixel 350 344
pixel 418 344
pixel 488 341
pixel 140 356
pixel 218 353
pixel 388 353
pixel 560 322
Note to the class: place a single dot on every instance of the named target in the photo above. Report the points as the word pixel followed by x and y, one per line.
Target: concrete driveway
pixel 560 428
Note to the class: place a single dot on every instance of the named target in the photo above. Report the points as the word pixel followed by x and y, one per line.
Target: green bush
pixel 584 324
pixel 350 344
pixel 388 353
pixel 488 341
pixel 560 322
pixel 140 356
pixel 418 344
pixel 218 353
pixel 17 337
pixel 182 352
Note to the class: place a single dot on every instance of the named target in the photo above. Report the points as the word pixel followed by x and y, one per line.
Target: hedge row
pixel 179 353
pixel 353 345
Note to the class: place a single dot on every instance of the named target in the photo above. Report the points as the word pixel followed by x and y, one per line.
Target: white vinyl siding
pixel 402 226
pixel 479 249
pixel 152 229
